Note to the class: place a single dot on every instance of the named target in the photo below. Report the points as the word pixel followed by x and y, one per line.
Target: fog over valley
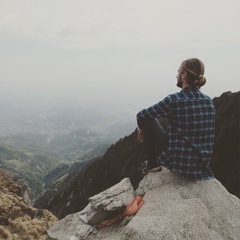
pixel 74 76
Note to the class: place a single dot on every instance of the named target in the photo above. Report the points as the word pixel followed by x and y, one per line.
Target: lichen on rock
pixel 18 219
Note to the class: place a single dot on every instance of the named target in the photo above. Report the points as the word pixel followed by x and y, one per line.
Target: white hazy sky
pixel 116 50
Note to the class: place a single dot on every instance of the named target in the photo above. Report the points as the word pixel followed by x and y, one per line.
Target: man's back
pixel 190 132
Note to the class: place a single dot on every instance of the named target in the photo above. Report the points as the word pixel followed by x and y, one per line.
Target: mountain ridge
pixel 125 157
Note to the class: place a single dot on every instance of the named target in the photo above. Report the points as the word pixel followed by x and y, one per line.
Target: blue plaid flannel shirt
pixel 191 126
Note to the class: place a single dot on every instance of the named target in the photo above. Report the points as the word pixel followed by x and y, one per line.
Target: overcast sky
pixel 116 50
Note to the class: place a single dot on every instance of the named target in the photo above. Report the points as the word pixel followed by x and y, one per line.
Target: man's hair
pixel 195 70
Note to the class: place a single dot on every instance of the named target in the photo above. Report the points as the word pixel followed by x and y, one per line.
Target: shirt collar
pixel 189 89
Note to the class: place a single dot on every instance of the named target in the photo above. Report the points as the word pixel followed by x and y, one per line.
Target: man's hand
pixel 140 136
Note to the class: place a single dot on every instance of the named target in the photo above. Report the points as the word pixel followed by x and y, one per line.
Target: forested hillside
pixel 226 154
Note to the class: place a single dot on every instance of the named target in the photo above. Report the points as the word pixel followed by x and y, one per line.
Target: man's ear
pixel 184 74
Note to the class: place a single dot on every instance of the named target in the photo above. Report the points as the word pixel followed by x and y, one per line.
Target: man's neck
pixel 185 84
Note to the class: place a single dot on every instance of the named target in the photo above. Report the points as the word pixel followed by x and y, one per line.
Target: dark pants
pixel 155 138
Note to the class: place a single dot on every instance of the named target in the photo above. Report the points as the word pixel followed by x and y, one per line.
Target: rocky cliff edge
pixel 174 208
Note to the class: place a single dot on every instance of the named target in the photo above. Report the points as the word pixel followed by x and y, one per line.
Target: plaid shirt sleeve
pixel 159 110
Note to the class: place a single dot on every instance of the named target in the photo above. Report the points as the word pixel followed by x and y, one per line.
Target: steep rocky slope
pixel 17 219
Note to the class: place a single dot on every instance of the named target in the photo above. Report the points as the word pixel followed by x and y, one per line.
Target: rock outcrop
pixel 175 208
pixel 102 206
pixel 178 208
pixel 110 202
pixel 17 219
pixel 20 187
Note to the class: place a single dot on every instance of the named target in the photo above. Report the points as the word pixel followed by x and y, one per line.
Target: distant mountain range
pixel 63 130
pixel 124 159
pixel 68 147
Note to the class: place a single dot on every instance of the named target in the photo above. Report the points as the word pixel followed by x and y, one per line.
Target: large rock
pixel 176 208
pixel 113 198
pixel 110 202
pixel 102 206
pixel 70 227
pixel 73 228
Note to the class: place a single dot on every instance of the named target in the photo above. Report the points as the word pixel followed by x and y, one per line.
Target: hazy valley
pixel 75 163
pixel 67 129
pixel 37 136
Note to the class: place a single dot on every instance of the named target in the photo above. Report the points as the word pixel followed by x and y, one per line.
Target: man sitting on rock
pixel 186 147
